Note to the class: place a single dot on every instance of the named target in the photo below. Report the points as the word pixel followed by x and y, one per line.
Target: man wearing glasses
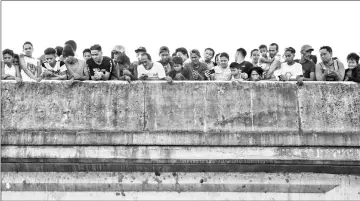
pixel 290 70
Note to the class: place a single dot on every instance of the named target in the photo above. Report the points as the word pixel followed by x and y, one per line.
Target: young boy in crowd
pixel 76 68
pixel 9 71
pixel 30 66
pixel 290 70
pixel 87 54
pixel 235 72
pixel 353 71
pixel 52 69
pixel 179 72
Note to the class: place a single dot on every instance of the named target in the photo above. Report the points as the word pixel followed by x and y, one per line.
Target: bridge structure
pixel 182 141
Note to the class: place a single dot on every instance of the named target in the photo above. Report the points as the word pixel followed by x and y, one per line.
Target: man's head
pixel 87 54
pixel 255 55
pixel 96 52
pixel 235 68
pixel 273 50
pixel 68 54
pixel 195 56
pixel 145 60
pixel 240 54
pixel 178 63
pixel 352 60
pixel 50 55
pixel 224 59
pixel 164 53
pixel 182 52
pixel 289 55
pixel 8 56
pixel 28 48
pixel 325 53
pixel 72 44
pixel 306 52
pixel 208 54
pixel 117 51
pixel 139 52
pixel 59 50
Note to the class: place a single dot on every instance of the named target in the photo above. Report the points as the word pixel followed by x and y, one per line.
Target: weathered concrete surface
pixel 81 106
pixel 330 107
pixel 177 186
pixel 263 139
pixel 208 107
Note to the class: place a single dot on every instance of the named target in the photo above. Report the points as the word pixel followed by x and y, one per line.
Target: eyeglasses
pixel 117 53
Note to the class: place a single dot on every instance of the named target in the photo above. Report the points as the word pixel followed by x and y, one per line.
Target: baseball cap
pixel 163 48
pixel 306 48
pixel 142 49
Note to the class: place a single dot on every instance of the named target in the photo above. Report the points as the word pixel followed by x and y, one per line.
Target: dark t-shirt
pixel 308 67
pixel 245 66
pixel 105 66
pixel 200 69
pixel 184 71
pixel 355 74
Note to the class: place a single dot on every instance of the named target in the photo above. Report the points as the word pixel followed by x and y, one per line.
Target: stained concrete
pixel 177 186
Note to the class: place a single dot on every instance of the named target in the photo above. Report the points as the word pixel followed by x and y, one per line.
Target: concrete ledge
pixel 131 185
pixel 173 138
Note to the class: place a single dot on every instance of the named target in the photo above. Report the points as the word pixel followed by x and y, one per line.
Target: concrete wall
pixel 187 140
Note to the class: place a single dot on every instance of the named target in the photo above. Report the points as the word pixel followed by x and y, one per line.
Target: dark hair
pixel 224 54
pixel 27 43
pixel 262 46
pixel 49 51
pixel 86 50
pixel 122 59
pixel 274 44
pixel 253 51
pixel 327 48
pixel 72 44
pixel 182 50
pixel 8 51
pixel 234 65
pixel 68 51
pixel 95 47
pixel 16 56
pixel 59 50
pixel 213 51
pixel 353 56
pixel 173 54
pixel 147 55
pixel 243 51
pixel 290 49
pixel 177 60
pixel 215 64
pixel 259 70
pixel 195 51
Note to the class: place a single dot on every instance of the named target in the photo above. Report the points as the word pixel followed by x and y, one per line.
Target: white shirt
pixel 10 70
pixel 31 64
pixel 223 74
pixel 157 71
pixel 56 69
pixel 291 71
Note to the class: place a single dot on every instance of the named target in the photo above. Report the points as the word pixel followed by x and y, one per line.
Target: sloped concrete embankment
pixel 53 130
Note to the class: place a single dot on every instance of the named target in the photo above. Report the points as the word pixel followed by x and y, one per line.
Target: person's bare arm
pixel 275 64
pixel 318 73
pixel 341 72
pixel 312 77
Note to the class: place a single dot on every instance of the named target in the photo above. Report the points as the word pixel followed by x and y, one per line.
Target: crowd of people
pixel 266 63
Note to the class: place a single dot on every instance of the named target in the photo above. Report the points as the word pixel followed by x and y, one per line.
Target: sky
pixel 223 26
